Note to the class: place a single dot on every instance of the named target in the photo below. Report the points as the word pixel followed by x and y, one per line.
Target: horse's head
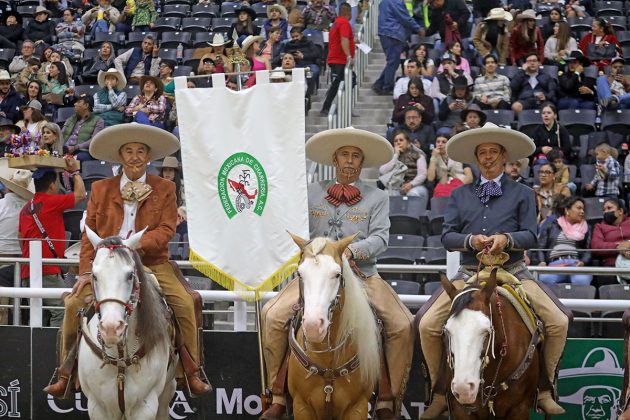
pixel 468 333
pixel 115 283
pixel 320 282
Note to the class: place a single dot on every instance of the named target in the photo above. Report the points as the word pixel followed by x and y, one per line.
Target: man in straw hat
pixel 339 208
pixel 500 214
pixel 121 206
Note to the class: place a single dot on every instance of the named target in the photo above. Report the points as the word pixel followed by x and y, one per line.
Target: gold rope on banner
pixel 224 279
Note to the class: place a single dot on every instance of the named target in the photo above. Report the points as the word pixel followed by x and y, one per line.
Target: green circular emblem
pixel 242 185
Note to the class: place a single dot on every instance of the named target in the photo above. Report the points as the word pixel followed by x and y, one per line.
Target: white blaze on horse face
pixel 320 278
pixel 467 332
pixel 113 281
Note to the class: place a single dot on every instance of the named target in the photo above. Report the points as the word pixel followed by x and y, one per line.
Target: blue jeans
pixel 100 26
pixel 84 156
pixel 143 118
pixel 392 48
pixel 603 92
pixel 584 279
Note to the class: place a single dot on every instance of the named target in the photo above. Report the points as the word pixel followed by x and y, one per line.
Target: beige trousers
pixel 555 321
pixel 396 318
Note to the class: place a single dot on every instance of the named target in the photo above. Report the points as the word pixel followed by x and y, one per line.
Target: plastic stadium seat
pixel 222 24
pixel 575 291
pixel 173 39
pixel 528 119
pixel 116 38
pixel 580 23
pixel 176 10
pixel 64 113
pixel 406 241
pixel 436 214
pixel 134 39
pixel 578 121
pixel 182 71
pixel 132 90
pixel 228 9
pixel 617 22
pixel 164 24
pixel 617 121
pixel 431 287
pixel 86 89
pixel 201 39
pixel 96 167
pixel 608 8
pixel 260 9
pixel 26 11
pixel 550 70
pixel 624 38
pixel 591 71
pixel 404 214
pixel 435 253
pixel 168 54
pixel 593 206
pixel 502 117
pixel 405 287
pixel 71 221
pixel 205 10
pixel 507 71
pixel 618 292
pixel 196 24
pixel 6 56
pixel 174 248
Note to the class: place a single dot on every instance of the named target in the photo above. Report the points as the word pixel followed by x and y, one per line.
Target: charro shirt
pixel 10 207
pixel 369 218
pixel 513 213
pixel 130 210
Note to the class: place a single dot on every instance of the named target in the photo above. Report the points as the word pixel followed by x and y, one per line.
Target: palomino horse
pixel 126 362
pixel 334 338
pixel 492 356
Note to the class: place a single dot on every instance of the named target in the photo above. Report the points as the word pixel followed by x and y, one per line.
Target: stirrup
pixel 56 378
pixel 183 382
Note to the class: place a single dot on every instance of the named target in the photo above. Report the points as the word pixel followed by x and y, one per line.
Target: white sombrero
pixel 107 143
pixel 73 251
pixel 461 147
pixel 376 150
pixel 19 181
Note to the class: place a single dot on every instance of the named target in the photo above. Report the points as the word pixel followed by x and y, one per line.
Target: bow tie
pixel 487 190
pixel 135 191
pixel 341 193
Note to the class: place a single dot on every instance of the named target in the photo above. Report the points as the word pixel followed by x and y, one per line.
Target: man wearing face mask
pixel 612 234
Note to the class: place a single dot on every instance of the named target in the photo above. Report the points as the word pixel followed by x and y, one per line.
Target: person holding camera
pixel 613 90
pixel 453 105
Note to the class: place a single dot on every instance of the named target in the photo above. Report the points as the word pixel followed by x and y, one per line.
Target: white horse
pixel 126 364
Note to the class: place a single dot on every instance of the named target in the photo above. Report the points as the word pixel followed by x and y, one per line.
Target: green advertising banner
pixel 590 379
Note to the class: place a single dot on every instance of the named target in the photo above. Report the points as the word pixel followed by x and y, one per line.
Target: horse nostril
pixel 120 326
pixel 471 386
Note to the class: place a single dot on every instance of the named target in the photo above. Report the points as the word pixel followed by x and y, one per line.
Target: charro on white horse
pixel 126 358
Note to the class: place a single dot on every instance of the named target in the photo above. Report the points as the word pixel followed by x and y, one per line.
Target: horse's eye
pixel 338 275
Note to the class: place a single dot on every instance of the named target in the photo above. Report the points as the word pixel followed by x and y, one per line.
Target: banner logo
pixel 242 185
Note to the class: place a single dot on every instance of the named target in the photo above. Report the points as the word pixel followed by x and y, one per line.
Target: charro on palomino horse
pixel 334 337
pixel 127 355
pixel 491 341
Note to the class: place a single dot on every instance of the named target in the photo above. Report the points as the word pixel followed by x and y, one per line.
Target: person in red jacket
pixel 526 39
pixel 601 34
pixel 612 234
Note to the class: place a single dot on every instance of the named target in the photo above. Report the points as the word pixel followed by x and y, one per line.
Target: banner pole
pixel 265 400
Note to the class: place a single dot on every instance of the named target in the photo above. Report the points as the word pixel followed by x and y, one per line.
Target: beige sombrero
pixel 249 41
pixel 19 181
pixel 499 13
pixel 461 147
pixel 121 80
pixel 376 150
pixel 278 7
pixel 73 252
pixel 107 143
pixel 527 14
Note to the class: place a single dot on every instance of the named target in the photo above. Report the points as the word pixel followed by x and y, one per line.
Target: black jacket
pixel 13 33
pixel 306 47
pixel 570 83
pixel 11 105
pixel 40 30
pixel 549 235
pixel 522 90
pixel 458 11
pixel 543 137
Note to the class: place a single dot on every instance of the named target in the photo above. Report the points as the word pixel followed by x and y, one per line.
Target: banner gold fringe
pixel 246 292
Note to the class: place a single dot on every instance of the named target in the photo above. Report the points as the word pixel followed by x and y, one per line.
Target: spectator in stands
pixel 551 135
pixel 412 70
pixel 614 89
pixel 150 106
pixel 394 28
pixel 171 169
pixel 51 139
pixel 125 20
pixel 277 18
pixel 560 44
pixel 55 56
pixel 81 127
pixel 607 177
pixel 7 129
pixel 102 62
pixel 492 90
pixel 414 97
pixel 41 29
pixel 406 172
pixel 207 67
pixel 514 170
pixel 319 16
pixel 139 61
pixel 574 8
pixel 471 117
pixel 422 135
pixel 492 35
pixel 549 28
pixel 34 91
pixel 563 174
pixel 27 75
pixel 601 35
pixel 12 31
pixel 294 15
pixel 33 120
pixel 444 81
pixel 576 90
pixel 42 217
pixel 144 16
pixel 167 67
pixel 251 47
pixel 305 52
pixel 530 86
pixel 610 237
pixel 564 242
pixel 217 54
pixel 427 66
pixel 69 31
pixel 271 48
pixel 20 61
pixel 102 18
pixel 11 100
pixel 449 18
pixel 548 191
pixel 526 39
pixel 340 52
pixel 455 48
pixel 110 102
pixel 244 24
pixel 447 173
pixel 452 106
pixel 55 85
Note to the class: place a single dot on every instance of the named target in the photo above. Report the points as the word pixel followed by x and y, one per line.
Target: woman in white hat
pixel 276 17
pixel 217 54
pixel 111 100
pixel 251 48
pixel 526 38
pixel 492 35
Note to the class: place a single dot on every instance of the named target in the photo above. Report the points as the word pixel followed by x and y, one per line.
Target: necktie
pixel 340 193
pixel 135 191
pixel 487 190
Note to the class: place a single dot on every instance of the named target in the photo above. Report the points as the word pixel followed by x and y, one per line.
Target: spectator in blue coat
pixel 12 100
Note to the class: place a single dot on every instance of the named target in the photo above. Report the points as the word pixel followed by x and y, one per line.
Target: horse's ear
pixel 491 284
pixel 133 241
pixel 450 290
pixel 92 236
pixel 343 243
pixel 300 242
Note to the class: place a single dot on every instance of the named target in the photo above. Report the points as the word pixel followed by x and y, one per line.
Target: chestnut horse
pixel 334 339
pixel 492 357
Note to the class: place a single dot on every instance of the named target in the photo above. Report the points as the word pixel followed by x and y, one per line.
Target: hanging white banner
pixel 245 179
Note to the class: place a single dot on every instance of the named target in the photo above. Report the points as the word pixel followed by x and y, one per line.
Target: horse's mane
pixel 151 324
